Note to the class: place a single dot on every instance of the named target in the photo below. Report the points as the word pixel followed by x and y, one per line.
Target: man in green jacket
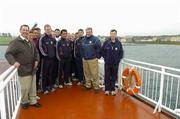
pixel 23 55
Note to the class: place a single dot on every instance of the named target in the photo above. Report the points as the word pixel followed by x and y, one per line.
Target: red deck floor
pixel 75 103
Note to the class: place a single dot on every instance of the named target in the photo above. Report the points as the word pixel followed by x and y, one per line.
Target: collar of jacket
pixel 89 37
pixel 81 37
pixel 116 39
pixel 63 38
pixel 47 35
pixel 24 39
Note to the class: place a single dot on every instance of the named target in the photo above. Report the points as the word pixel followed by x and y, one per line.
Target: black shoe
pixel 36 105
pixel 25 106
pixel 96 91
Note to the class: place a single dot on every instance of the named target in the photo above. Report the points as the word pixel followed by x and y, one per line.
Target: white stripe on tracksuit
pixel 41 47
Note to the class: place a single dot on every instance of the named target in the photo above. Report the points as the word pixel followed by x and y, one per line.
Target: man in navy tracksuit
pixel 78 57
pixel 112 53
pixel 56 63
pixel 73 72
pixel 47 49
pixel 91 47
pixel 64 55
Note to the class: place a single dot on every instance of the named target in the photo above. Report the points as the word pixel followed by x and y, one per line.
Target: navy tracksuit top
pixel 112 52
pixel 78 47
pixel 63 49
pixel 47 46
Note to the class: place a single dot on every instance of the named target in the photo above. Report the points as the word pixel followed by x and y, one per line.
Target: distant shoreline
pixel 161 43
pixel 4 41
pixel 158 43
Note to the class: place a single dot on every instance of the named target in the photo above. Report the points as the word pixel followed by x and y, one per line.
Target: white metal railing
pixel 160 84
pixel 10 94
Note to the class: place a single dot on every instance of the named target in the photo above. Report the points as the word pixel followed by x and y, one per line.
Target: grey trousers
pixel 28 89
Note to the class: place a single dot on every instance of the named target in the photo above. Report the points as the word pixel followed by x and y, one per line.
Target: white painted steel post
pixel 2 101
pixel 161 89
pixel 158 106
pixel 120 75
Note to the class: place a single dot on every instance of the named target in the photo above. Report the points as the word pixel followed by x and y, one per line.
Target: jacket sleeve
pixel 102 50
pixel 42 47
pixel 98 48
pixel 81 48
pixel 57 50
pixel 10 53
pixel 36 54
pixel 121 52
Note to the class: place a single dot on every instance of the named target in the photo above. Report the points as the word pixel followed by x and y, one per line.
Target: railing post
pixel 2 100
pixel 120 74
pixel 158 106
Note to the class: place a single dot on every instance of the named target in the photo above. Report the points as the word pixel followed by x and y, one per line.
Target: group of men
pixel 48 61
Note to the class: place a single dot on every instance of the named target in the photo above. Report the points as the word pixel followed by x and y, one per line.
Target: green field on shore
pixel 5 40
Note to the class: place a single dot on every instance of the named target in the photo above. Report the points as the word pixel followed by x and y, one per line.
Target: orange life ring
pixel 127 81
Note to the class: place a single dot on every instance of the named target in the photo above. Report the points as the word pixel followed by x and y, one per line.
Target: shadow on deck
pixel 75 103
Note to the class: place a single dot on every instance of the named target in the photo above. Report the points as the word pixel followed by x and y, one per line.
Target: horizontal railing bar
pixel 158 71
pixel 170 110
pixel 165 73
pixel 6 73
pixel 149 99
pixel 173 75
pixel 154 65
pixel 8 79
pixel 143 67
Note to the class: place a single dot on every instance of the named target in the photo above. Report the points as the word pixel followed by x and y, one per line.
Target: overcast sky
pixel 129 17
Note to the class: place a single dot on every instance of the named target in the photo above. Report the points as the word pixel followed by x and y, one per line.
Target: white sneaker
pixel 79 83
pixel 60 86
pixel 73 74
pixel 55 86
pixel 38 98
pixel 113 93
pixel 106 93
pixel 69 84
pixel 74 79
pixel 52 90
pixel 46 92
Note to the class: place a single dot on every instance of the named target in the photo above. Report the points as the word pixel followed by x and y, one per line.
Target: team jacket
pixel 63 49
pixel 112 52
pixel 91 47
pixel 47 46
